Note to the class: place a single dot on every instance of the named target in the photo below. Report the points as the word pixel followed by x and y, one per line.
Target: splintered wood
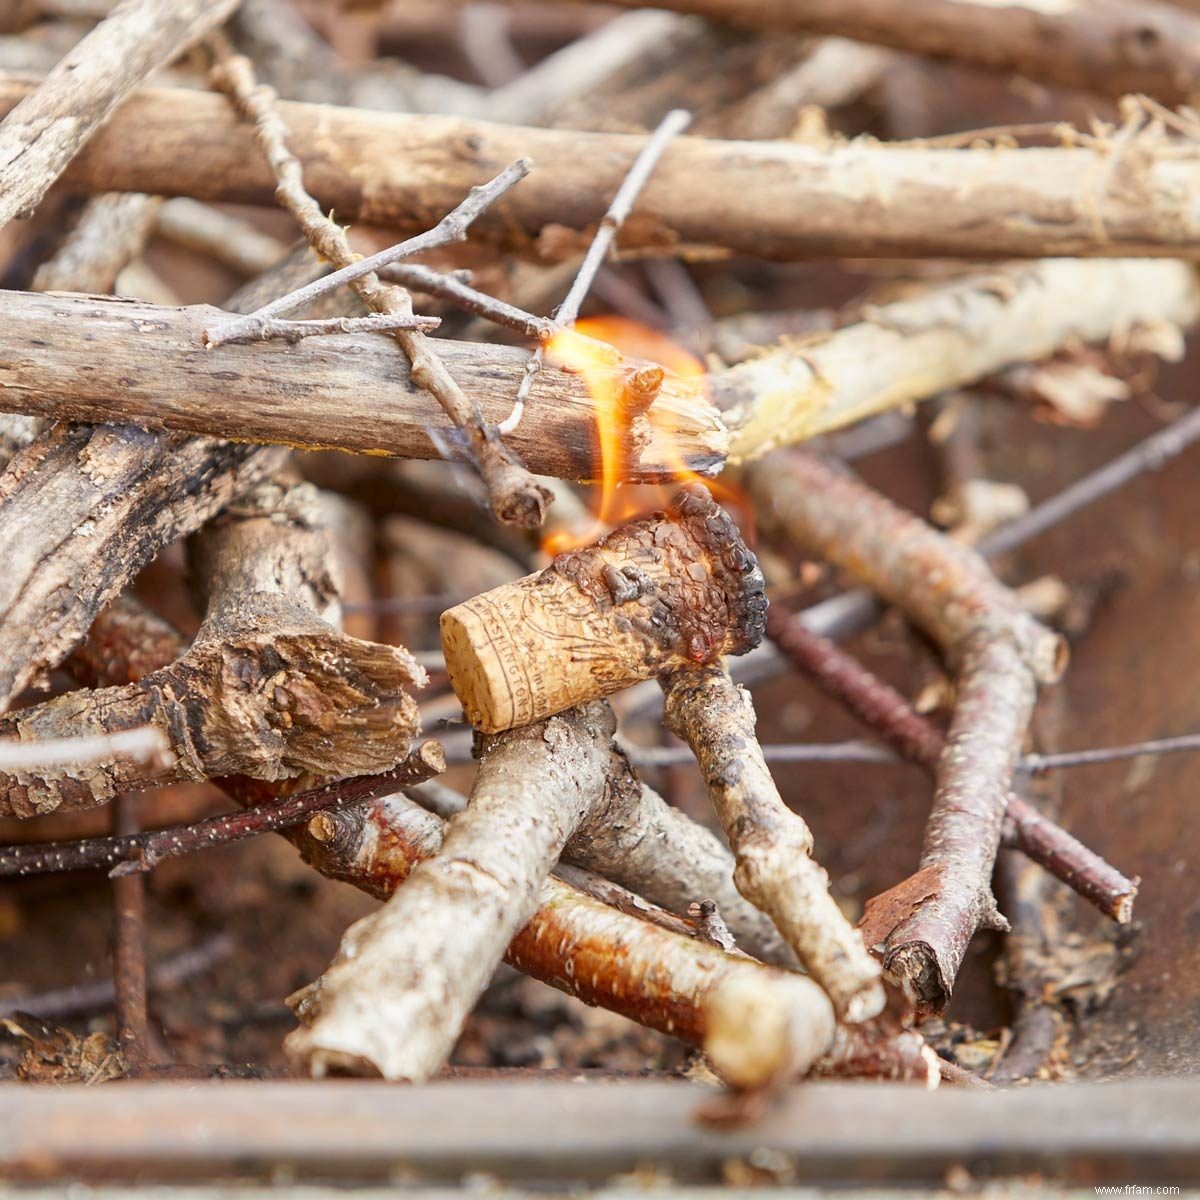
pixel 231 597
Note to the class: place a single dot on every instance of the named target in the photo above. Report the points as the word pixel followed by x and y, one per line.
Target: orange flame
pixel 593 348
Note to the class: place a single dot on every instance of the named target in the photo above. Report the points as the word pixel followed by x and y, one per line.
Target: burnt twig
pixel 673 124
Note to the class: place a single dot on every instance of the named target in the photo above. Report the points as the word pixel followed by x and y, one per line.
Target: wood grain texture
pixel 87 358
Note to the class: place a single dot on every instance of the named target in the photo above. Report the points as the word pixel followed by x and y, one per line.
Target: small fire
pixel 592 348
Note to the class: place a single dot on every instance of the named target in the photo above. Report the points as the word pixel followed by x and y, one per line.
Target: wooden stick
pixel 87 359
pixel 999 653
pixel 132 493
pixel 771 200
pixel 944 337
pixel 143 744
pixel 110 232
pixel 406 977
pixel 1102 46
pixel 756 1023
pixel 268 689
pixel 653 596
pixel 41 135
pixel 567 312
pixel 773 846
pixel 908 350
pixel 215 234
pixel 514 495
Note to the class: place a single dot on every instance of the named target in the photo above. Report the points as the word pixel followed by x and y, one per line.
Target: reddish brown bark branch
pixel 999 654
pixel 885 710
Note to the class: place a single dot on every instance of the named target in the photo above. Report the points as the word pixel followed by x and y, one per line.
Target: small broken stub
pixel 672 590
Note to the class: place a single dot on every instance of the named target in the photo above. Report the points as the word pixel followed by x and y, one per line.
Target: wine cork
pixel 672 590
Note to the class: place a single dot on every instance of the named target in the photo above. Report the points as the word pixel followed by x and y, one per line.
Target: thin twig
pixel 293 331
pixel 1148 455
pixel 673 124
pixel 129 947
pixel 855 751
pixel 452 227
pixel 141 852
pixel 515 496
pixel 96 995
pixel 885 710
pixel 1184 743
pixel 147 744
pixel 458 292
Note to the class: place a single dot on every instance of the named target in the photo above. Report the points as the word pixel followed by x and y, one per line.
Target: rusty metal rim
pixel 1141 1132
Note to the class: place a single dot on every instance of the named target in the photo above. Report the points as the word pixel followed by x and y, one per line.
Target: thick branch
pixel 946 336
pixel 1100 46
pixel 772 845
pixel 406 977
pixel 41 135
pixel 88 359
pixel 756 1023
pixel 268 689
pixel 774 199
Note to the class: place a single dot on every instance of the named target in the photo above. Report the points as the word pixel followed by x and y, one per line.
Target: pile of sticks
pixel 134 424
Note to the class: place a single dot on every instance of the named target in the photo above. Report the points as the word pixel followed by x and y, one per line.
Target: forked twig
pixel 564 316
pixel 451 228
pixel 999 653
pixel 514 494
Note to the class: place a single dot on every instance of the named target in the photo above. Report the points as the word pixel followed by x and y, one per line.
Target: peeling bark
pixel 268 689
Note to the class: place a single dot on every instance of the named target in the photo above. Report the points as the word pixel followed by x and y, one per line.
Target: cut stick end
pixel 475 662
